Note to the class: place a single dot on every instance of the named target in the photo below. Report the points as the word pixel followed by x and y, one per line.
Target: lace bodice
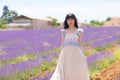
pixel 71 37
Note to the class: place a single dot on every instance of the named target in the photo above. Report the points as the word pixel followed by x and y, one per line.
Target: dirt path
pixel 111 73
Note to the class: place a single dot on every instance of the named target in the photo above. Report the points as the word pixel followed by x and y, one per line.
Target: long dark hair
pixel 70 16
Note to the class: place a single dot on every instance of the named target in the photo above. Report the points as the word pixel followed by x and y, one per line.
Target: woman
pixel 72 64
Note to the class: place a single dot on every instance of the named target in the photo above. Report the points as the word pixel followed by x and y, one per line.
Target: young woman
pixel 72 63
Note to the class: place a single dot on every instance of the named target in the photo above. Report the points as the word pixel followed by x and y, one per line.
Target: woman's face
pixel 70 21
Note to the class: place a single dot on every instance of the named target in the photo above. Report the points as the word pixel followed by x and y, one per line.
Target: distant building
pixel 24 22
pixel 113 22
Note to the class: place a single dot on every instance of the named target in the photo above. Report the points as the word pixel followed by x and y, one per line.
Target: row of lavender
pixel 33 41
pixel 25 42
pixel 100 36
pixel 16 43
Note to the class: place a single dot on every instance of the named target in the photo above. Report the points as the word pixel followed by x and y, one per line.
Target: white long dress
pixel 72 63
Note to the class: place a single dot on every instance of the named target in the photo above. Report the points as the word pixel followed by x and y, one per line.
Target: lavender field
pixel 25 53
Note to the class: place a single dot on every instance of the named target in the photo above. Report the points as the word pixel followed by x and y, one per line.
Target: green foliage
pixel 108 19
pixel 8 15
pixel 2 26
pixel 105 63
pixel 17 59
pixel 96 23
pixel 99 48
pixel 54 21
pixel 117 53
pixel 5 10
pixel 54 62
pixel 45 66
pixel 87 44
pixel 90 51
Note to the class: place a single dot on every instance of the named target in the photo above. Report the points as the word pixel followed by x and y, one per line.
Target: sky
pixel 85 10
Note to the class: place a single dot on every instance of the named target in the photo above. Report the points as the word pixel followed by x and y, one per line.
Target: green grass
pixel 99 48
pixel 17 59
pixel 2 26
pixel 21 58
pixel 87 43
pixel 49 51
pixel 90 51
pixel 117 53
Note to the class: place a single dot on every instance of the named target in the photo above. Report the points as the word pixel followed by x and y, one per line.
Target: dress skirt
pixel 72 65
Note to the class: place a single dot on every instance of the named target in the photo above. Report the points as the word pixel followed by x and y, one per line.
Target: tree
pixel 11 14
pixel 54 21
pixel 8 15
pixel 96 23
pixel 108 19
pixel 5 11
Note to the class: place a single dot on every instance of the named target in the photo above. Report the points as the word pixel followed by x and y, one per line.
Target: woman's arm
pixel 62 38
pixel 80 40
